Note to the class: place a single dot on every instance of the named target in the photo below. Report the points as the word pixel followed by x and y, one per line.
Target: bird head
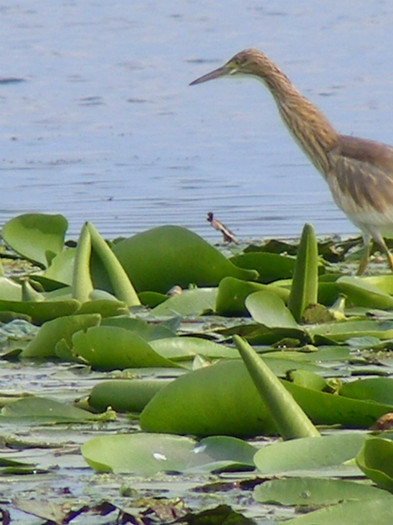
pixel 243 63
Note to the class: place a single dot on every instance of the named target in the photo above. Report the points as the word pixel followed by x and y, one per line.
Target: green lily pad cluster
pixel 261 343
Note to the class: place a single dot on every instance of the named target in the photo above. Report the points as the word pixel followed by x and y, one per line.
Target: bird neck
pixel 309 126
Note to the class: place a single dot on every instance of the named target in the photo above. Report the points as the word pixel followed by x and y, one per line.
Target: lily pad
pixel 308 453
pixel 147 454
pixel 314 491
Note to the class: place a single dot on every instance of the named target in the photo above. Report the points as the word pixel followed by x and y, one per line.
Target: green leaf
pixel 147 454
pixel 270 266
pixel 375 459
pixel 304 290
pixel 356 512
pixel 82 284
pixel 222 399
pixel 110 347
pixel 362 293
pixel 125 395
pixel 290 420
pixel 378 389
pixel 314 491
pixel 41 312
pixel 43 410
pixel 51 332
pixel 308 453
pixel 160 258
pixel 219 399
pixel 269 309
pixel 188 347
pixel 36 236
pixel 233 292
pixel 118 278
pixel 189 302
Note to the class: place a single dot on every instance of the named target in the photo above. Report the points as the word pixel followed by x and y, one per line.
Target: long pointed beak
pixel 220 72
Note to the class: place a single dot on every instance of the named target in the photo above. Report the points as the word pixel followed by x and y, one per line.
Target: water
pixel 98 121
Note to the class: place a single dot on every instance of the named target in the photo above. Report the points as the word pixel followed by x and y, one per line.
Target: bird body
pixel 359 172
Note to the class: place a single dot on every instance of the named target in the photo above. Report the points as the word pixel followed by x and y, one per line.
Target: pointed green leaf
pixel 82 284
pixel 289 418
pixel 119 280
pixel 304 289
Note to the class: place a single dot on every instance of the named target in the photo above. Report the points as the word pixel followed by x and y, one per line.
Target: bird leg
pixel 388 254
pixel 365 259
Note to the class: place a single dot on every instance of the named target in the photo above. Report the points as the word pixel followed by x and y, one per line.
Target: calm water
pixel 98 121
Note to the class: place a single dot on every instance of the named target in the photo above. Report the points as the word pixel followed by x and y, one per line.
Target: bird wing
pixel 361 175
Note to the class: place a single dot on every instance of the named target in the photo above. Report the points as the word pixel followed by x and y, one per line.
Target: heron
pixel 359 172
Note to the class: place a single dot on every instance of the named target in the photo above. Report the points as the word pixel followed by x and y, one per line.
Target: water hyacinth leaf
pixel 314 491
pixel 233 292
pixel 361 293
pixel 110 348
pixel 160 258
pixel 308 453
pixel 375 459
pixel 357 512
pixel 147 454
pixel 41 312
pixel 270 266
pixel 190 302
pixel 44 343
pixel 36 236
pixel 304 290
pixel 188 347
pixel 289 419
pixel 82 284
pixel 125 395
pixel 118 278
pixel 44 410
